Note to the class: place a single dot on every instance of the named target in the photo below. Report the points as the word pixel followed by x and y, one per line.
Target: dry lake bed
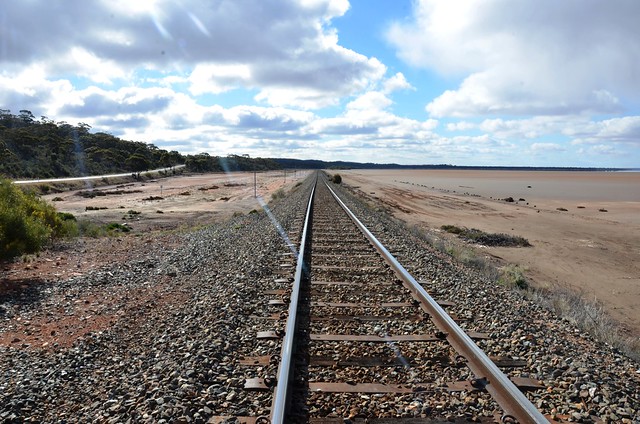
pixel 584 226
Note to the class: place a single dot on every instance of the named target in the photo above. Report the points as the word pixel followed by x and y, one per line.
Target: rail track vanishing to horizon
pixel 363 341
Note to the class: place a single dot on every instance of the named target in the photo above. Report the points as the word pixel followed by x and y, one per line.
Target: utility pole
pixel 255 185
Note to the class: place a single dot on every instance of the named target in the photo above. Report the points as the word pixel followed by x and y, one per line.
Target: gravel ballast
pixel 168 348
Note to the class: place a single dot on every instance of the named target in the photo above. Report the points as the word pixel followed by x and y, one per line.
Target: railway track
pixel 363 341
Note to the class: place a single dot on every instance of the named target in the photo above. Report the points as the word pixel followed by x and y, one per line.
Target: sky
pixel 461 82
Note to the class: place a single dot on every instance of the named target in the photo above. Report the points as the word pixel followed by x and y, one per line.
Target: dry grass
pixel 512 276
pixel 588 315
pixel 278 194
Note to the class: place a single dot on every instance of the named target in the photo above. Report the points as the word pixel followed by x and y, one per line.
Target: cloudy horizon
pixel 464 82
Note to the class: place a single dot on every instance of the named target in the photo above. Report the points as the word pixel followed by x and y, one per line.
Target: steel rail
pixel 509 397
pixel 281 395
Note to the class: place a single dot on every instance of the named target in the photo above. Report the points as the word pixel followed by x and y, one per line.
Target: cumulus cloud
pixel 530 128
pixel 175 74
pixel 603 149
pixel 527 58
pixel 461 126
pixel 214 78
pixel 397 82
pixel 281 48
pixel 31 89
pixel 95 102
pixel 620 130
pixel 372 100
pixel 546 147
pixel 267 119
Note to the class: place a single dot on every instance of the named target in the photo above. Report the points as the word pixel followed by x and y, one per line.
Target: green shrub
pixel 117 227
pixel 452 229
pixel 27 223
pixel 336 179
pixel 66 216
pixel 87 228
pixel 69 228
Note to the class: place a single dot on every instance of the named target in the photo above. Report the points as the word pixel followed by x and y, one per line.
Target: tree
pixel 26 116
pixel 137 163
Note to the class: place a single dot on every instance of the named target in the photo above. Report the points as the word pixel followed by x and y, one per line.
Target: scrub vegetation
pixel 27 223
pixel 488 239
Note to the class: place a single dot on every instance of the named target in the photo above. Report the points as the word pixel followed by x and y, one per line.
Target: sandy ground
pixel 591 251
pixel 170 202
pixel 185 202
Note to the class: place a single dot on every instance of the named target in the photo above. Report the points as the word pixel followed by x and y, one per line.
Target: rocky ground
pixel 150 328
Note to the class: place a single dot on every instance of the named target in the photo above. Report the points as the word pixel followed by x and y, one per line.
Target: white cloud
pixel 94 102
pixel 320 79
pixel 526 58
pixel 30 89
pixel 214 78
pixel 619 130
pixel 604 149
pixel 367 118
pixel 304 98
pixel 84 63
pixel 530 128
pixel 537 148
pixel 153 71
pixel 461 126
pixel 372 100
pixel 267 119
pixel 397 82
pixel 283 48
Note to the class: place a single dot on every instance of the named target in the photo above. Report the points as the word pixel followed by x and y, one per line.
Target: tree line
pixel 34 148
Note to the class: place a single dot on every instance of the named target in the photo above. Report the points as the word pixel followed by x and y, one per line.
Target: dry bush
pixel 488 239
pixel 278 194
pixel 588 315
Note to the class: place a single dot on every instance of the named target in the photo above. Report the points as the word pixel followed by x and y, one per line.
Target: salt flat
pixel 593 247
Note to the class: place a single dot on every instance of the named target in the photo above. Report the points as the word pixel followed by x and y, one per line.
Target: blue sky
pixel 464 82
